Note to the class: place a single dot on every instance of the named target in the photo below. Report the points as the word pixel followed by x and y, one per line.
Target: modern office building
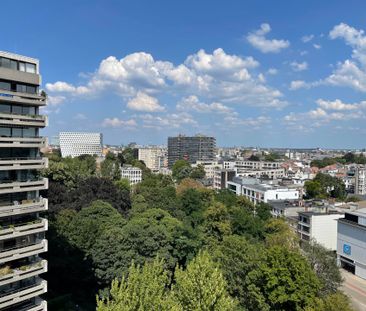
pixel 191 148
pixel 319 227
pixel 22 227
pixel 133 174
pixel 257 191
pixel 74 144
pixel 351 242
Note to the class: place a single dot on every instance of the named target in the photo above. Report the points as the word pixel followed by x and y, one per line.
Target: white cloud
pixel 298 84
pixel 272 71
pixel 317 46
pixel 168 121
pixel 217 77
pixel 337 105
pixel 254 123
pixel 55 100
pixel 299 66
pixel 307 38
pixel 80 116
pixel 258 40
pixel 192 103
pixel 144 102
pixel 115 122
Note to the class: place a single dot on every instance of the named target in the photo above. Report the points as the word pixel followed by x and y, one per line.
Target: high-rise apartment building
pixel 22 227
pixel 360 180
pixel 153 157
pixel 74 144
pixel 191 148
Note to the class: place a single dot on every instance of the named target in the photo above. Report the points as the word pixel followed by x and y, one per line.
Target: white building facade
pixel 74 144
pixel 320 227
pixel 133 174
pixel 154 158
pixel 258 192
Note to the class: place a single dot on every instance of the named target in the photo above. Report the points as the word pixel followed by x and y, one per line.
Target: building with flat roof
pixel 191 148
pixel 22 227
pixel 133 174
pixel 74 144
pixel 257 191
pixel 351 242
pixel 319 227
pixel 221 177
pixel 153 156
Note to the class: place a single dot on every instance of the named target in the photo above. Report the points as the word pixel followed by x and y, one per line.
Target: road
pixel 355 288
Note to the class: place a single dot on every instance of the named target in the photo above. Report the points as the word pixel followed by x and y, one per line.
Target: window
pixel 5 131
pixel 5 62
pixel 21 88
pixel 21 66
pixel 5 86
pixel 17 109
pixel 31 68
pixel 5 108
pixel 31 89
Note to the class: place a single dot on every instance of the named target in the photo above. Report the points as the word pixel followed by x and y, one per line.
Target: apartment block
pixel 22 227
pixel 319 227
pixel 154 157
pixel 351 242
pixel 191 148
pixel 221 177
pixel 74 144
pixel 209 167
pixel 360 180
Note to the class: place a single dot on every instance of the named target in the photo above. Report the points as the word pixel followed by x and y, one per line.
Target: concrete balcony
pixel 23 142
pixel 23 120
pixel 24 251
pixel 40 305
pixel 24 207
pixel 24 272
pixel 23 164
pixel 39 225
pixel 21 186
pixel 22 98
pixel 17 296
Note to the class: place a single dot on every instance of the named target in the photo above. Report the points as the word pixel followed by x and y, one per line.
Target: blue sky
pixel 254 73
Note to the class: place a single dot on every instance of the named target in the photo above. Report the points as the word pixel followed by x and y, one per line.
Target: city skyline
pixel 240 72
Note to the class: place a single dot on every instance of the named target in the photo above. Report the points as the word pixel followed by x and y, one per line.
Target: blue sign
pixel 347 249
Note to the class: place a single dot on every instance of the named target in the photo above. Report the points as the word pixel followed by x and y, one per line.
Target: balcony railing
pixel 23 142
pixel 17 230
pixel 22 98
pixel 23 207
pixel 21 186
pixel 7 164
pixel 24 120
pixel 23 251
pixel 22 294
pixel 23 272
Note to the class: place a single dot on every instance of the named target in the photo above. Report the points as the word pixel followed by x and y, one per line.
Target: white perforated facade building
pixel 74 144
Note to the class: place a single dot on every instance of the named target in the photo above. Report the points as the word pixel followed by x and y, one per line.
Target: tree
pixel 198 172
pixel 188 183
pixel 263 211
pixel 254 158
pixel 202 286
pixel 143 289
pixel 333 302
pixel 314 189
pixel 237 257
pixel 110 168
pixel 284 280
pixel 245 223
pixel 324 263
pixel 181 169
pixel 226 197
pixel 279 233
pixel 217 221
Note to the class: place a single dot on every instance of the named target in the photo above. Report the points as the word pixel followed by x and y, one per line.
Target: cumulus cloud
pixel 145 103
pixel 217 76
pixel 192 103
pixel 337 105
pixel 259 41
pixel 298 84
pixel 253 123
pixel 272 71
pixel 116 122
pixel 308 38
pixel 317 46
pixel 168 121
pixel 55 100
pixel 299 66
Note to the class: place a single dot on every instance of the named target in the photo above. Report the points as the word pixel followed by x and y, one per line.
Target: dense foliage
pixel 325 186
pixel 346 159
pixel 171 244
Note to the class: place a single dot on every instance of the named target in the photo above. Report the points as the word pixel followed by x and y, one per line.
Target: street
pixel 355 288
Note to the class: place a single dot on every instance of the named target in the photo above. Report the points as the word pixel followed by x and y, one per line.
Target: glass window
pixel 31 89
pixel 21 66
pixel 31 68
pixel 5 86
pixel 16 132
pixel 5 62
pixel 17 109
pixel 5 131
pixel 14 64
pixel 28 110
pixel 21 88
pixel 5 108
pixel 29 132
